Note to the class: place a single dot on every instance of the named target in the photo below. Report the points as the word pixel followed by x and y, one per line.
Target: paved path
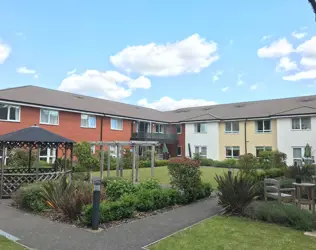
pixel 42 234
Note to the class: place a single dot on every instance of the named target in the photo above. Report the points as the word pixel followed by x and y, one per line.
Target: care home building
pixel 217 132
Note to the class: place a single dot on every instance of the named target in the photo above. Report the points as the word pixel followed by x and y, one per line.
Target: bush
pixel 147 164
pixel 149 184
pixel 117 188
pixel 235 192
pixel 19 158
pixel 82 151
pixel 283 214
pixel 80 176
pixel 206 162
pixel 29 197
pixel 227 163
pixel 305 172
pixel 247 163
pixel 186 176
pixel 272 159
pixel 106 180
pixel 205 190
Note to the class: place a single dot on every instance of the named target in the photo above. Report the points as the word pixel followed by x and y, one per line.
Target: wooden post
pixel 30 158
pixel 109 162
pixel 37 160
pixel 65 157
pixel 137 163
pixel 2 171
pixel 71 156
pixel 121 163
pixel 117 160
pixel 152 160
pixel 102 162
pixel 133 164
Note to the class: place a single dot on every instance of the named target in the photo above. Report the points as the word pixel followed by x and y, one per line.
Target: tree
pixel 313 4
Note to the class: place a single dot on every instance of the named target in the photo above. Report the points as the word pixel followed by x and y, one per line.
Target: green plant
pixel 19 158
pixel 205 190
pixel 272 159
pixel 117 188
pixel 186 176
pixel 283 214
pixel 80 176
pixel 235 192
pixel 247 163
pixel 127 159
pixel 149 184
pixel 152 199
pixel 82 151
pixel 197 156
pixel 106 180
pixel 206 162
pixel 29 197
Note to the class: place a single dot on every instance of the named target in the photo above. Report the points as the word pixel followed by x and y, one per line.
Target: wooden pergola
pixel 134 145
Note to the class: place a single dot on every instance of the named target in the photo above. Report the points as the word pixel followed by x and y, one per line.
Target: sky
pixel 161 54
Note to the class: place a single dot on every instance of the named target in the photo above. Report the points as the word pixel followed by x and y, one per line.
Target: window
pixel 297 156
pixel 179 151
pixel 260 149
pixel 48 155
pixel 263 126
pixel 49 117
pixel 9 112
pixel 116 124
pixel 179 129
pixel 6 156
pixel 232 127
pixel 88 121
pixel 202 150
pixel 232 152
pixel 92 148
pixel 159 128
pixel 200 128
pixel 301 123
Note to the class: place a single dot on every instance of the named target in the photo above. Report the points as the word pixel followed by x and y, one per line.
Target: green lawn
pixel 6 244
pixel 161 174
pixel 236 233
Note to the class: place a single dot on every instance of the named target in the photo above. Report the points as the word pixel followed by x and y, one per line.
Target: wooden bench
pixel 273 190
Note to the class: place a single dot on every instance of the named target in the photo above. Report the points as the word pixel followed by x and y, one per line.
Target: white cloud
pixel 21 34
pixel 239 80
pixel 113 85
pixel 217 75
pixel 190 55
pixel 308 48
pixel 35 76
pixel 254 86
pixel 225 89
pixel 303 75
pixel 299 35
pixel 5 51
pixel 167 103
pixel 71 72
pixel 25 70
pixel 277 49
pixel 266 37
pixel 285 64
pixel 308 62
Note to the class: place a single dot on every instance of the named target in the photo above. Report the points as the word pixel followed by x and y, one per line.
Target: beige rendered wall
pixel 254 139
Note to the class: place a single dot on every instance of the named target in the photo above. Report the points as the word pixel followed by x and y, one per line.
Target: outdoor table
pixel 310 188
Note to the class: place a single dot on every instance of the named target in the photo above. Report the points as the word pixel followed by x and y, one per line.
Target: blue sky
pixel 161 54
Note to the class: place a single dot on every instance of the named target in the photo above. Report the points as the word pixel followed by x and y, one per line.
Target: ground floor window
pixel 232 152
pixel 6 158
pixel 261 149
pixel 201 150
pixel 48 155
pixel 179 151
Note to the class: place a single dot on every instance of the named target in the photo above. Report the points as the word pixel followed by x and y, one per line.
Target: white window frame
pixel 231 131
pixel 8 115
pixel 117 120
pixel 6 156
pixel 48 123
pixel 160 130
pixel 264 148
pixel 49 155
pixel 300 119
pixel 88 117
pixel 202 131
pixel 232 149
pixel 263 128
pixel 180 151
pixel 200 150
pixel 179 126
pixel 92 148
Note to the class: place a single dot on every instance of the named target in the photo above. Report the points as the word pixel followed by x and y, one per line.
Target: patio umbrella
pixel 165 149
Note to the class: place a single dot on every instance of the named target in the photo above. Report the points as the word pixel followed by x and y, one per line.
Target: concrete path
pixel 40 233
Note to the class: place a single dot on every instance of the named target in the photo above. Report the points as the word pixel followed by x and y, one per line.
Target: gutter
pixel 245 136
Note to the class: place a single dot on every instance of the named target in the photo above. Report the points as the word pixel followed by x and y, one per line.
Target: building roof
pixel 34 134
pixel 242 110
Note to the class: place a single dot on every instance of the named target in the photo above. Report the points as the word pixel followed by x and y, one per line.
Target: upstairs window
pixel 179 129
pixel 9 112
pixel 301 123
pixel 88 121
pixel 50 117
pixel 232 127
pixel 116 124
pixel 200 128
pixel 263 126
pixel 159 128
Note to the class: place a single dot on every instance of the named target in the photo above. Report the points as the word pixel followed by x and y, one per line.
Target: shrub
pixel 272 159
pixel 112 210
pixel 82 151
pixel 106 180
pixel 152 199
pixel 227 163
pixel 247 163
pixel 305 172
pixel 235 192
pixel 117 188
pixel 20 158
pixel 186 176
pixel 80 176
pixel 283 214
pixel 147 164
pixel 205 190
pixel 29 197
pixel 127 159
pixel 149 184
pixel 197 156
pixel 206 162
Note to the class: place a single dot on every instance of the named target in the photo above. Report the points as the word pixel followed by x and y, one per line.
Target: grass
pixel 236 233
pixel 6 244
pixel 161 174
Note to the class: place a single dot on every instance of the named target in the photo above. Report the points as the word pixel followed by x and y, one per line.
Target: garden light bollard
pixel 96 205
